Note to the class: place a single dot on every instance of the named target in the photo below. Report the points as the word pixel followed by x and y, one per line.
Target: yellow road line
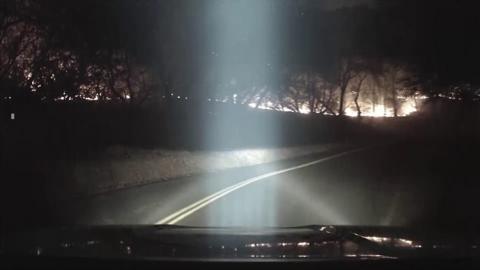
pixel 192 208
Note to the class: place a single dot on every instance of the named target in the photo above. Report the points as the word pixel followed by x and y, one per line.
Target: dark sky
pixel 252 38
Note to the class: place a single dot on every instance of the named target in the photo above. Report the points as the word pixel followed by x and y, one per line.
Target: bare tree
pixel 346 72
pixel 395 80
pixel 18 43
pixel 359 79
pixel 292 99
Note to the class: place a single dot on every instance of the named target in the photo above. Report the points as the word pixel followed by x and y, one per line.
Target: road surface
pixel 403 184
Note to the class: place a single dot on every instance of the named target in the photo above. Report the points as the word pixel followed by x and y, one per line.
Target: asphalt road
pixel 403 184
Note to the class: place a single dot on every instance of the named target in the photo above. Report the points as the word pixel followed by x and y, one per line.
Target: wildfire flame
pixel 408 106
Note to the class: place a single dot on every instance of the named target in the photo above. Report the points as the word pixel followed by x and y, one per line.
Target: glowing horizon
pixel 408 106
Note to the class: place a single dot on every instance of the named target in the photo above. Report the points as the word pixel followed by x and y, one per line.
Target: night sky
pixel 204 46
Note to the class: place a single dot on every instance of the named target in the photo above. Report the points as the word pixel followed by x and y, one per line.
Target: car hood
pixel 197 243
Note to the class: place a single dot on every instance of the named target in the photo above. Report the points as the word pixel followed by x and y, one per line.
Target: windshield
pixel 240 114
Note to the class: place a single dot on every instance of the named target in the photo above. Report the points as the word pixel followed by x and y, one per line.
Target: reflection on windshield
pixel 394 242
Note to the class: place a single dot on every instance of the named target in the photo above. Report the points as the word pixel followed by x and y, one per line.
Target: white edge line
pixel 190 209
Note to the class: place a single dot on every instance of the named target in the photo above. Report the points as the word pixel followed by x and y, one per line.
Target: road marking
pixel 192 208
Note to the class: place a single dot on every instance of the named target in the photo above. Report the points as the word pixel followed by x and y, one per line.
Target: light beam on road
pixel 243 36
pixel 258 211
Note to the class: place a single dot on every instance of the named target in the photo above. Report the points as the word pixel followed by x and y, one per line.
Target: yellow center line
pixel 192 208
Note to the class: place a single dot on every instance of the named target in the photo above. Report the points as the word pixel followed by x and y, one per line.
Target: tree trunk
pixel 343 89
pixel 312 103
pixel 394 94
pixel 357 95
pixel 394 102
pixel 359 112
